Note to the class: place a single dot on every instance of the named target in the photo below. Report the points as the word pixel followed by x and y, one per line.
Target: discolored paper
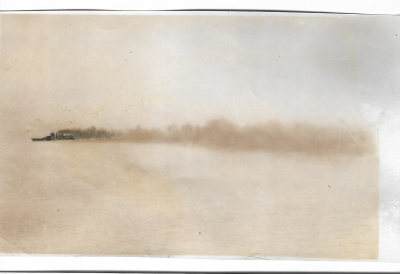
pixel 245 135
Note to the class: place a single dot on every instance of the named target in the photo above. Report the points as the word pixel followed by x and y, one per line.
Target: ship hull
pixel 55 137
pixel 37 139
pixel 44 139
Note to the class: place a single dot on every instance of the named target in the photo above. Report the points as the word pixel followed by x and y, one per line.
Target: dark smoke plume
pixel 271 136
pixel 89 133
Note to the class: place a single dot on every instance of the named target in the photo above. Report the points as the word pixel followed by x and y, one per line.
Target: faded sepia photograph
pixel 239 135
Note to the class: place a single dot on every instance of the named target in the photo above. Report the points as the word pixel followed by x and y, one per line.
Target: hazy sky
pixel 117 72
pixel 60 71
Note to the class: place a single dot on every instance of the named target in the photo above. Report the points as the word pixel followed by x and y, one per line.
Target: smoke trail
pixel 270 136
pixel 90 133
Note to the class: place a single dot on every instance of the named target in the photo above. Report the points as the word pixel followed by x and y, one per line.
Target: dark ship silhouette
pixel 55 137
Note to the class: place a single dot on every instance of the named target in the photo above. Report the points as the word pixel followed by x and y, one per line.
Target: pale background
pixel 389 224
